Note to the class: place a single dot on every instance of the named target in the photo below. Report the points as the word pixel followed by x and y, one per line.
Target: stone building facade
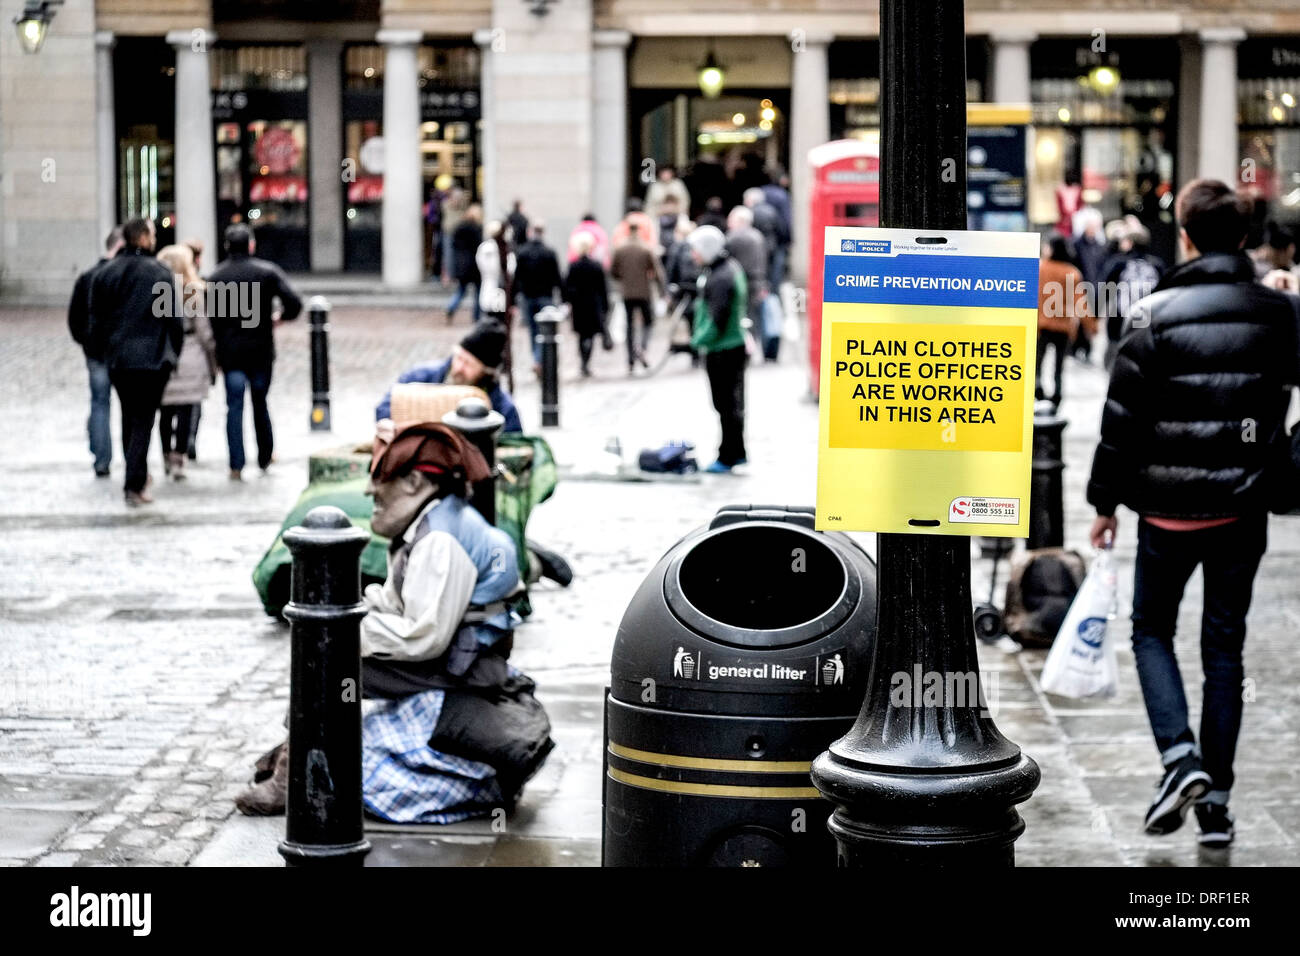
pixel 327 123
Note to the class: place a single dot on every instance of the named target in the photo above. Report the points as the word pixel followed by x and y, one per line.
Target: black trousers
pixel 174 428
pixel 139 392
pixel 726 372
pixel 1060 343
pixel 636 346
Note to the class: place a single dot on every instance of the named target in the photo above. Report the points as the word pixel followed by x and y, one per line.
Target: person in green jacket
pixel 719 336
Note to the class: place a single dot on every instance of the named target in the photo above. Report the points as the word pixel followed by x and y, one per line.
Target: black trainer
pixel 553 566
pixel 1183 782
pixel 1216 824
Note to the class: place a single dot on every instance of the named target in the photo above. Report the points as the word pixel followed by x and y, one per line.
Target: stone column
pixel 325 152
pixel 1218 133
pixel 486 40
pixel 196 190
pixel 810 125
pixel 105 137
pixel 538 103
pixel 1011 66
pixel 609 118
pixel 403 235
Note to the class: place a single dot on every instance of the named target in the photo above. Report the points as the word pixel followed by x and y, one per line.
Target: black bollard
pixel 481 425
pixel 919 783
pixel 318 313
pixel 548 324
pixel 324 824
pixel 1046 492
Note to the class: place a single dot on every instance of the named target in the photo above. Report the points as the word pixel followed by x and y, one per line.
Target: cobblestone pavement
pixel 140 677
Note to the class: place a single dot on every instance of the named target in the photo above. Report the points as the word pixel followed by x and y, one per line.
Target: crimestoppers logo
pixel 974 510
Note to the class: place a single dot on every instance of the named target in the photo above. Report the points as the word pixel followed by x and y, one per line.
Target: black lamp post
pixel 34 22
pixel 920 781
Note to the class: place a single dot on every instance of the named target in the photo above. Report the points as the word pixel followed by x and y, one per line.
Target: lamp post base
pixel 911 818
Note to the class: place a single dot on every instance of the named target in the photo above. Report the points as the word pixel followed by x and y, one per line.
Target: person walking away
pixel 1062 306
pixel 518 224
pixel 776 234
pixel 713 214
pixel 475 361
pixel 196 246
pixel 537 277
pixel 748 247
pixel 777 193
pixel 1090 255
pixel 647 228
pixel 196 369
pixel 98 425
pixel 720 337
pixel 667 188
pixel 136 324
pixel 586 292
pixel 496 266
pixel 465 242
pixel 1207 365
pixel 1128 275
pixel 1275 251
pixel 246 343
pixel 599 241
pixel 454 203
pixel 682 273
pixel 637 270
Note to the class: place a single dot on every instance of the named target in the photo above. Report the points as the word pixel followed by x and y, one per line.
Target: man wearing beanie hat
pixel 719 336
pixel 474 362
pixel 458 731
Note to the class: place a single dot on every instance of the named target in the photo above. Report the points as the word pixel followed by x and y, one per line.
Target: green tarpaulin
pixel 528 479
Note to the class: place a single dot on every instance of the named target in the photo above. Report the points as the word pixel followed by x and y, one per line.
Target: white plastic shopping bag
pixel 1082 662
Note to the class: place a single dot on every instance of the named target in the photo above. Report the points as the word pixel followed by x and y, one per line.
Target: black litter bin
pixel 742 656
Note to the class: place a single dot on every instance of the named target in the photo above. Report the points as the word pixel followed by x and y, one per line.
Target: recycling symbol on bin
pixel 684 664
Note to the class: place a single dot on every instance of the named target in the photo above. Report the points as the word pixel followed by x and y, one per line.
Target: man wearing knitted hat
pixel 475 361
pixel 434 644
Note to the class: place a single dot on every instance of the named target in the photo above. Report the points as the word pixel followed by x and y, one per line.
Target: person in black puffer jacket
pixel 1197 395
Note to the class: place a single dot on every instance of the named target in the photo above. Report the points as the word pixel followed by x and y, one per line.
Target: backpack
pixel 1042 587
pixel 672 458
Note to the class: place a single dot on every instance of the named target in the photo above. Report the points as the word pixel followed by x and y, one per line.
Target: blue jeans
pixel 1229 556
pixel 531 308
pixel 97 426
pixel 258 381
pixel 456 297
pixel 776 267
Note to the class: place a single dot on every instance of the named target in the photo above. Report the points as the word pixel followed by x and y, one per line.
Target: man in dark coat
pixel 137 324
pixel 586 291
pixel 465 240
pixel 242 291
pixel 1196 402
pixel 101 390
pixel 537 278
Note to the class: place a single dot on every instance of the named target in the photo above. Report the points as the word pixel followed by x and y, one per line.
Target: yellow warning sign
pixel 927 381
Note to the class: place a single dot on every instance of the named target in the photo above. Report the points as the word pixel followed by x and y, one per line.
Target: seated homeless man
pixel 474 362
pixel 451 730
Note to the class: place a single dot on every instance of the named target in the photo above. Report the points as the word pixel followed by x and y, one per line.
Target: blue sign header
pixel 909 279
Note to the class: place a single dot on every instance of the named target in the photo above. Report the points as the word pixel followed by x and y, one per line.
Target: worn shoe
pixel 553 566
pixel 718 468
pixel 267 798
pixel 236 475
pixel 1182 783
pixel 1216 823
pixel 265 765
pixel 102 472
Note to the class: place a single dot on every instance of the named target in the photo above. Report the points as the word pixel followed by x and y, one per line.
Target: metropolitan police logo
pixel 846 245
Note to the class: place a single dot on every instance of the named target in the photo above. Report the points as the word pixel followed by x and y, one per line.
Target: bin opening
pixel 762 578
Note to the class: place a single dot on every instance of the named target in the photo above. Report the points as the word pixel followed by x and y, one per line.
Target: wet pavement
pixel 141 678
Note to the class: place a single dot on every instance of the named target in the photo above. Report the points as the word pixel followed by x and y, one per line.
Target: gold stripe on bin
pixel 710 763
pixel 714 789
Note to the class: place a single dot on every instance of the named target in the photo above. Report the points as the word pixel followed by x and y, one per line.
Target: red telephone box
pixel 845 192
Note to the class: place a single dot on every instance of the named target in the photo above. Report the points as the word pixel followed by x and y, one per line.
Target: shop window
pixel 280 69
